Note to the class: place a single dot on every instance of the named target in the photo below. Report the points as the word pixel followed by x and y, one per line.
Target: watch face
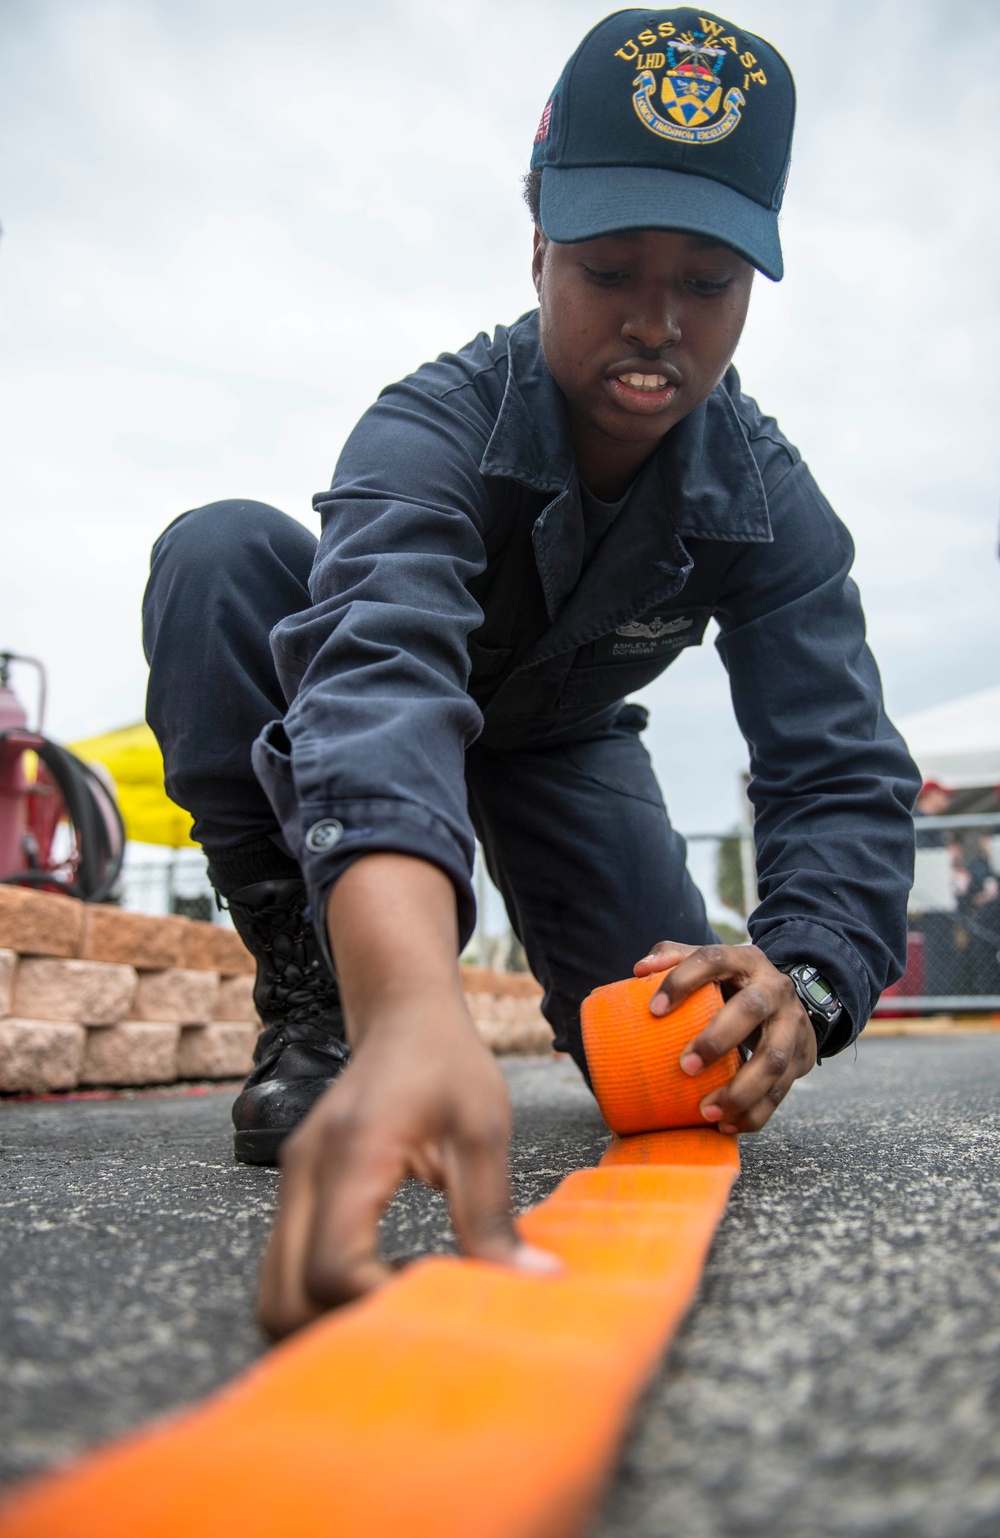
pixel 815 992
pixel 819 991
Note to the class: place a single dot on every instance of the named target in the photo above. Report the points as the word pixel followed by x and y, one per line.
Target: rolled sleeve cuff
pixel 334 836
pixel 327 836
pixel 787 943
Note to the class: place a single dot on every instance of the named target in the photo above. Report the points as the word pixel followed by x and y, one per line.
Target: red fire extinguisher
pixel 15 788
pixel 60 830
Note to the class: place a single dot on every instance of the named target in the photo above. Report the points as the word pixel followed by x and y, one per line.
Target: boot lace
pixel 295 995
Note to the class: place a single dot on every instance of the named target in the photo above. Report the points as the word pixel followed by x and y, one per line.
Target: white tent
pixel 957 743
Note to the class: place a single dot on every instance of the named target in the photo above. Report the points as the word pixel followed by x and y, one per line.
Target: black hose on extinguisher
pixel 98 830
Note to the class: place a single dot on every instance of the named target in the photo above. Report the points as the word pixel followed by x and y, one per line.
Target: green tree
pixel 729 885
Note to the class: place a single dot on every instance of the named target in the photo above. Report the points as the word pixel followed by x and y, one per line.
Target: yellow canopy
pixel 132 756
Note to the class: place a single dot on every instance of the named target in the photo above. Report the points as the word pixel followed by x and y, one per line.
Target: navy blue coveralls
pixel 446 660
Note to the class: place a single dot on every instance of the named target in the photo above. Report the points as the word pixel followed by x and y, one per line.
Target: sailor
pixel 517 538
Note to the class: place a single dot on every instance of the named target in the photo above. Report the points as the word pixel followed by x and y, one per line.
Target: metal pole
pixel 748 856
pixel 482 939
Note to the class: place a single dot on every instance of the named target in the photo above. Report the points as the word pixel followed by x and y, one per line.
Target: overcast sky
pixel 228 223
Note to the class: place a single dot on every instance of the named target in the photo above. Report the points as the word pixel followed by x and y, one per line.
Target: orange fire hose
pixel 463 1400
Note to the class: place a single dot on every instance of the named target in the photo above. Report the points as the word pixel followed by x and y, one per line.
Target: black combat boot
pixel 302 1047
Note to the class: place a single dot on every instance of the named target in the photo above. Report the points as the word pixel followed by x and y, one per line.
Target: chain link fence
pixel 953 960
pixel 953 955
pixel 953 917
pixel 174 881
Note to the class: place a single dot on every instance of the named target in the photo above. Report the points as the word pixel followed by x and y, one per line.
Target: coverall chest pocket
pixel 631 656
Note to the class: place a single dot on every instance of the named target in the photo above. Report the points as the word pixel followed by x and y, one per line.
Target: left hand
pixel 762 1010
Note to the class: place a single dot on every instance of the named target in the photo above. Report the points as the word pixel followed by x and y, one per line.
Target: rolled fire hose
pixel 463 1400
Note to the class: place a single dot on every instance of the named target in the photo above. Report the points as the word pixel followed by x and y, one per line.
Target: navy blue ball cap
pixel 673 120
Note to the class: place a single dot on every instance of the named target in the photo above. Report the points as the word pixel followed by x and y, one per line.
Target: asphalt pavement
pixel 837 1376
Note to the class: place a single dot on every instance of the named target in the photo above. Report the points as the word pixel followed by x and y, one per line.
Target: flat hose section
pixel 463 1400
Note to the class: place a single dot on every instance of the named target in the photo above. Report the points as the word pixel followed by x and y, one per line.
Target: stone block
pixel 511 1024
pixel 514 985
pixel 85 992
pixel 136 939
pixel 132 1052
pixel 180 995
pixel 8 966
pixel 210 948
pixel 39 923
pixel 235 1000
pixel 222 1050
pixel 40 1055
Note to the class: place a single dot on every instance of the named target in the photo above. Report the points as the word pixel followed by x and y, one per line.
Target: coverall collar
pixel 702 481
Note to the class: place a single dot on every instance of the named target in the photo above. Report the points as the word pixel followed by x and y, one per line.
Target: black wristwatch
pixel 819 1001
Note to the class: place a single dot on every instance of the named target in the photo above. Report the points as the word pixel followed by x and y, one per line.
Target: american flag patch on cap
pixel 543 127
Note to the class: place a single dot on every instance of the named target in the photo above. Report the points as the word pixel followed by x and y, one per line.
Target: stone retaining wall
pixel 90 995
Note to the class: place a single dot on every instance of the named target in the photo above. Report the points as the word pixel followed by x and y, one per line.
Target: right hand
pixel 428 1103
pixel 421 1096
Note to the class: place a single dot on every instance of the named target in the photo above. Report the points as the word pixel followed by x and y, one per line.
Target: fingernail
pixel 728 1128
pixel 659 1004
pixel 540 1262
pixel 691 1063
pixel 713 1113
